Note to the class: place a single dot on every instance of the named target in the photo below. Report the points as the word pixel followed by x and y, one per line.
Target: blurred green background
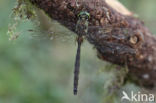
pixel 41 70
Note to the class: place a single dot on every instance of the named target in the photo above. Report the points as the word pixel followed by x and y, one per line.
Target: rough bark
pixel 118 36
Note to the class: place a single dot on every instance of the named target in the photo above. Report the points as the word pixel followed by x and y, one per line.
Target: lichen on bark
pixel 22 11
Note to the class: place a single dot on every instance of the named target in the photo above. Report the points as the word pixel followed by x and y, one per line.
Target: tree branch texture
pixel 118 36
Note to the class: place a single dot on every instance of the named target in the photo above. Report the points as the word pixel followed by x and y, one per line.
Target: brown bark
pixel 118 37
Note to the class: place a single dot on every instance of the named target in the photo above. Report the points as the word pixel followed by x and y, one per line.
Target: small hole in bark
pixel 146 76
pixel 134 39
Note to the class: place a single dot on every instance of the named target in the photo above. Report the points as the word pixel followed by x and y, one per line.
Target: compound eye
pixel 79 16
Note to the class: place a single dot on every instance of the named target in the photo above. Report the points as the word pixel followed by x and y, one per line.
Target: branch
pixel 118 36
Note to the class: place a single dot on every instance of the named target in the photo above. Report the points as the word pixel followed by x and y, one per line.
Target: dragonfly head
pixel 83 15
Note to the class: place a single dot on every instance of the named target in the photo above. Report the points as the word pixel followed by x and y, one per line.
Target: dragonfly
pixel 81 30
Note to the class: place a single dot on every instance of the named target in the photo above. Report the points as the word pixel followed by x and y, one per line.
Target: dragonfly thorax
pixel 82 23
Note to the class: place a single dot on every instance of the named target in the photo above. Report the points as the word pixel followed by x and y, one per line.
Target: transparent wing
pixel 55 31
pixel 58 31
